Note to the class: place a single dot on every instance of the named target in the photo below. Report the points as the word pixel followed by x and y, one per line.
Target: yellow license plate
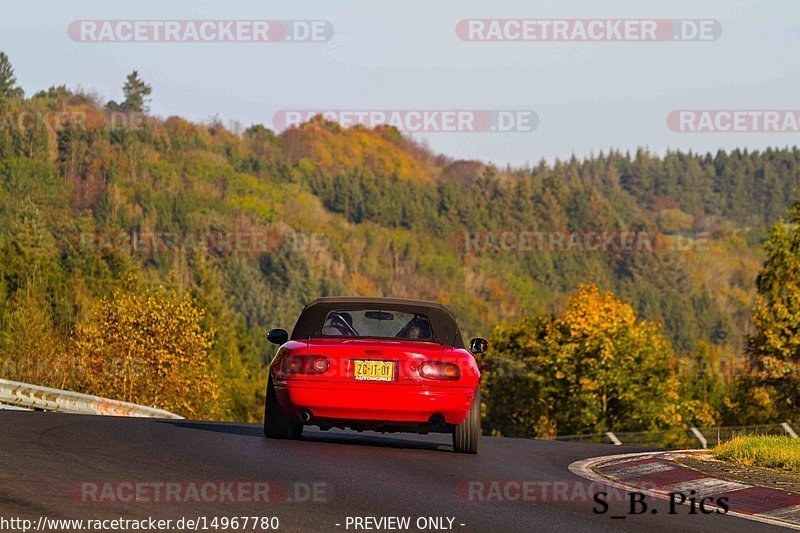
pixel 374 370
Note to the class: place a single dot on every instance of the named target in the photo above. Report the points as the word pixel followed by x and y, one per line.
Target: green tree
pixel 514 388
pixel 136 92
pixel 28 257
pixel 8 87
pixel 241 380
pixel 773 351
pixel 31 348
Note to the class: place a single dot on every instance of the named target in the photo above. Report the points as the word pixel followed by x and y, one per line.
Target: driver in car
pixel 417 328
pixel 339 325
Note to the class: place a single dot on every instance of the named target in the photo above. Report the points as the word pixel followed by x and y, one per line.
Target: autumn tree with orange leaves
pixel 592 369
pixel 150 348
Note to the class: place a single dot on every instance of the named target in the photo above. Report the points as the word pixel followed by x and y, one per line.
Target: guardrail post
pixel 700 437
pixel 788 429
pixel 613 438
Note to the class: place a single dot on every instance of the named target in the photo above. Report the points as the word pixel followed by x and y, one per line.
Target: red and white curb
pixel 657 474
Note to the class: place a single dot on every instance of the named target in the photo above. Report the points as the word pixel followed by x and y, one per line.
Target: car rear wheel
pixel 276 424
pixel 467 435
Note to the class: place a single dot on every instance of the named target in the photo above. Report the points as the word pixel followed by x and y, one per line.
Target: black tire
pixel 276 424
pixel 467 435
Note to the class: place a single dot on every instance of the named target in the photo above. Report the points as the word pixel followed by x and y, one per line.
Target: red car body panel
pixel 408 399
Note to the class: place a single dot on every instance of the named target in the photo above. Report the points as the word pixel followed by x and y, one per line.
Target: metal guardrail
pixel 682 438
pixel 18 395
pixel 4 407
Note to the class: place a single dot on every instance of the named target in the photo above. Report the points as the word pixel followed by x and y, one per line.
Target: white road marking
pixel 628 472
pixel 706 486
pixel 620 461
pixel 786 513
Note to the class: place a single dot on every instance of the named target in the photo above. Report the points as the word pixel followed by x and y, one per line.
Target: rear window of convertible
pixel 377 323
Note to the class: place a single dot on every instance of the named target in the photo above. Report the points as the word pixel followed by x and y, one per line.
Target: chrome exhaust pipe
pixel 305 416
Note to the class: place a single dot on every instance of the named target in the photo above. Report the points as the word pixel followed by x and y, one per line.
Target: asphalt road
pixel 48 460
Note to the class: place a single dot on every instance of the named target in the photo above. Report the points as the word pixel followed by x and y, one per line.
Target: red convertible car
pixel 380 364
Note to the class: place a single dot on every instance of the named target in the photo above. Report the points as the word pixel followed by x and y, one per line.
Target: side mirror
pixel 277 336
pixel 478 345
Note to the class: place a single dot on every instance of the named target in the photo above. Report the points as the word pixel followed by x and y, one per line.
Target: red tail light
pixel 307 364
pixel 439 370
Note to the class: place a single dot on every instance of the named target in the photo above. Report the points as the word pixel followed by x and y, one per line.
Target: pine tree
pixel 135 91
pixel 8 88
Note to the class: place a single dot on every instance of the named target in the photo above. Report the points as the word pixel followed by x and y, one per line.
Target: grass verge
pixel 782 453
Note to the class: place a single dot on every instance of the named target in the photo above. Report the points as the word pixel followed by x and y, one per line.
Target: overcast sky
pixel 588 96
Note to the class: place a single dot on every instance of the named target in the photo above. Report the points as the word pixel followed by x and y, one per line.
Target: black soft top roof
pixel 443 323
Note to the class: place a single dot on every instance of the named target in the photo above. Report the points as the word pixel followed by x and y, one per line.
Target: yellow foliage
pixel 150 348
pixel 326 146
pixel 591 312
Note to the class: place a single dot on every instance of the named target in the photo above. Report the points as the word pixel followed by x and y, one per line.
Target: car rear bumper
pixel 372 402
